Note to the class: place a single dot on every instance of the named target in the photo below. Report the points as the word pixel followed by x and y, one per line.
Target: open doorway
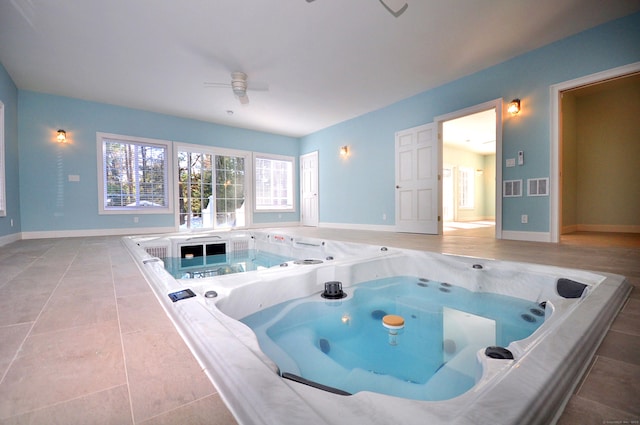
pixel 599 153
pixel 469 152
pixel 567 212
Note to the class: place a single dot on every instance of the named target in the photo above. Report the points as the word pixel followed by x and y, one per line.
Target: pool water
pixel 343 344
pixel 221 264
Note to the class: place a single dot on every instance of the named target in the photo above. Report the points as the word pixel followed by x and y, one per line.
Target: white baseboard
pixel 7 239
pixel 352 226
pixel 526 236
pixel 96 232
pixel 277 224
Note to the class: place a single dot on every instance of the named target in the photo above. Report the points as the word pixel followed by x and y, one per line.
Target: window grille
pixel 135 174
pixel 274 179
pixel 466 193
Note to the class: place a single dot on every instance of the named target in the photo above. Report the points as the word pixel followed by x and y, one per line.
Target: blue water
pixel 343 344
pixel 216 265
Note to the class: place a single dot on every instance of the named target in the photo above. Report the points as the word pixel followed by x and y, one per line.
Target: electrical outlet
pixel 524 219
pixel 511 162
pixel 135 219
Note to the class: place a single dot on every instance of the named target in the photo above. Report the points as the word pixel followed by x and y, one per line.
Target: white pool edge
pixel 245 380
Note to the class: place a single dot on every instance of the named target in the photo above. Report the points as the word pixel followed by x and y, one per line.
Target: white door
pixel 309 189
pixel 417 188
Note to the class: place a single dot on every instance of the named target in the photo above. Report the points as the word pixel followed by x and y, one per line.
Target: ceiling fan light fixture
pixel 239 83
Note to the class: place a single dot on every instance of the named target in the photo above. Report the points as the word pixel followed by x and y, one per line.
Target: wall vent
pixel 538 187
pixel 512 188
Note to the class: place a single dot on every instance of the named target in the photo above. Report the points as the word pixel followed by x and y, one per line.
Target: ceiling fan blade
pixel 244 99
pixel 216 85
pixel 395 13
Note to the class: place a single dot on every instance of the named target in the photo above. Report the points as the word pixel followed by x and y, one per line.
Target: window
pixel 212 189
pixel 274 183
pixel 466 192
pixel 3 199
pixel 134 175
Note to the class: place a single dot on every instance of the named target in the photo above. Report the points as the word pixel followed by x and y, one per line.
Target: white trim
pixel 314 156
pixel 7 239
pixel 96 232
pixel 168 209
pixel 3 168
pixel 277 224
pixel 526 236
pixel 498 105
pixel 216 151
pixel 353 226
pixel 555 122
pixel 294 177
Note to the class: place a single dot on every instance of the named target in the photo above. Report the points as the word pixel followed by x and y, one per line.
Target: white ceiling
pixel 474 132
pixel 323 62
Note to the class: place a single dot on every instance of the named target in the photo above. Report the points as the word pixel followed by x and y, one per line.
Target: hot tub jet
pixel 333 290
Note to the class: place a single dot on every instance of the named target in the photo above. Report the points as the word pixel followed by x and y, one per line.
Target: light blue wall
pixel 358 190
pixel 361 189
pixel 9 96
pixel 51 203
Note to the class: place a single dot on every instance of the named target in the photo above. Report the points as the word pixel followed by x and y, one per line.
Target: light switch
pixel 520 158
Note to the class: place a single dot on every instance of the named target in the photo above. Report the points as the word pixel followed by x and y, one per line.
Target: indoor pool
pixel 430 356
pixel 517 364
pixel 197 266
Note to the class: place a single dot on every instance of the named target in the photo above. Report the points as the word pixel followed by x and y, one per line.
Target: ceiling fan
pixel 238 86
pixel 395 7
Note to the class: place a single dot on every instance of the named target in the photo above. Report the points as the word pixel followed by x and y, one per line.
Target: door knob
pixel 397 187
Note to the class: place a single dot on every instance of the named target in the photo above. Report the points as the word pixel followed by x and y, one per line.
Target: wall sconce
pixel 514 107
pixel 344 150
pixel 62 136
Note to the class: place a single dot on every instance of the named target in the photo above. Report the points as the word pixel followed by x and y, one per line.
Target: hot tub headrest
pixel 498 353
pixel 568 288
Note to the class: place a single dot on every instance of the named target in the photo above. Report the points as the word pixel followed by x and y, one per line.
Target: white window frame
pixel 169 161
pixel 212 150
pixel 466 194
pixel 292 183
pixel 3 175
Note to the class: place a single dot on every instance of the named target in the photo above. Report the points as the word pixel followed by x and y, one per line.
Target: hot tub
pixel 531 388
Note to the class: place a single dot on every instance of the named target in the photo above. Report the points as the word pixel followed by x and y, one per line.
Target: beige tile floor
pixel 84 341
